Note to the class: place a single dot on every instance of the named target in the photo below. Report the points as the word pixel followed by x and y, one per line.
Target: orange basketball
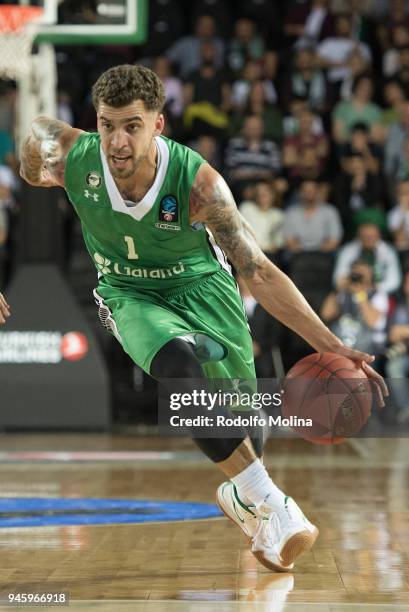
pixel 326 398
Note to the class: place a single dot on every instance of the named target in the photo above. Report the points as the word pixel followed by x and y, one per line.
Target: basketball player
pixel 158 222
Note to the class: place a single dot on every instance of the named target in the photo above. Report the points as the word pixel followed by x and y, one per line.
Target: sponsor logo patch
pixel 93 179
pixel 167 226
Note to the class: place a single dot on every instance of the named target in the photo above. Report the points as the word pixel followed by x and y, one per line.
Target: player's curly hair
pixel 122 85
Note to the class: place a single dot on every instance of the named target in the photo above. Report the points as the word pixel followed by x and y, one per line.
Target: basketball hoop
pixel 17 31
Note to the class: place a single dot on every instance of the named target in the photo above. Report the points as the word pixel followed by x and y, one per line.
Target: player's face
pixel 126 135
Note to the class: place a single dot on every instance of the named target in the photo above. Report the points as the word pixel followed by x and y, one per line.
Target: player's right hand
pixel 4 310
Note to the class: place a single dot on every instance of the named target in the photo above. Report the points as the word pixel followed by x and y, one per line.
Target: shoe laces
pixel 268 530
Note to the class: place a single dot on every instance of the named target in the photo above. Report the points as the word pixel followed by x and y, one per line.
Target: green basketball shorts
pixel 209 312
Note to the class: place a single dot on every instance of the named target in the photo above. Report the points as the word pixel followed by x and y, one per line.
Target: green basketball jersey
pixel 150 245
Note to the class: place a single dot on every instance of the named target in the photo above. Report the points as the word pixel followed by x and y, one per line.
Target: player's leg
pixel 273 522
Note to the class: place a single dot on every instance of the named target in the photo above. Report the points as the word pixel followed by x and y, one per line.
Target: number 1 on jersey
pixel 132 254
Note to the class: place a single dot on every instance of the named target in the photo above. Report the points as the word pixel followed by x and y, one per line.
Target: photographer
pixel 397 365
pixel 357 312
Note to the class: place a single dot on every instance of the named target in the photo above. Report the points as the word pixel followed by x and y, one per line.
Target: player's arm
pixel 44 152
pixel 212 203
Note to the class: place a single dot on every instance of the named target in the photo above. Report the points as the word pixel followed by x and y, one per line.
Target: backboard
pixel 92 22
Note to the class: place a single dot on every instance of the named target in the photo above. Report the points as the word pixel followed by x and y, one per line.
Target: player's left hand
pixel 4 310
pixel 363 360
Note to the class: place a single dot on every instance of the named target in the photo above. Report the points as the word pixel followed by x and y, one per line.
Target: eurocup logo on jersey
pixel 168 210
pixel 104 267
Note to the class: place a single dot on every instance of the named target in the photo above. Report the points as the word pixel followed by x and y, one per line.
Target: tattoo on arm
pixel 41 151
pixel 213 202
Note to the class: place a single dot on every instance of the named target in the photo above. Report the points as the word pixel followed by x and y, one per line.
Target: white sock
pixel 254 486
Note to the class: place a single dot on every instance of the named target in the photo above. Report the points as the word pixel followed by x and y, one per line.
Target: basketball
pixel 327 398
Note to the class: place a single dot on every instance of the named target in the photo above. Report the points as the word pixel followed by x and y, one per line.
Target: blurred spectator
pixel 356 189
pixel 306 81
pixel 7 186
pixel 312 225
pixel 390 60
pixel 360 145
pixel 64 110
pixel 245 44
pixel 265 218
pixel 394 97
pixel 306 23
pixel 397 364
pixel 251 157
pixel 403 72
pixel 395 16
pixel 398 217
pixel 369 247
pixel 395 143
pixel 359 109
pixel 357 313
pixel 334 53
pixel 252 72
pixel 186 52
pixel 358 65
pixel 295 146
pixel 8 96
pixel 291 123
pixel 258 105
pixel 208 147
pixel 207 96
pixel 173 86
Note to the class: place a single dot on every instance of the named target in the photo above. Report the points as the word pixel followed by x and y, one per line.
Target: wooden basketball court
pixel 357 493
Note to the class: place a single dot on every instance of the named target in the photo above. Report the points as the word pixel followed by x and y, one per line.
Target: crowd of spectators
pixel 303 106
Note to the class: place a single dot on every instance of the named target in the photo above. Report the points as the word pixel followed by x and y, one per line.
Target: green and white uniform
pixel 159 276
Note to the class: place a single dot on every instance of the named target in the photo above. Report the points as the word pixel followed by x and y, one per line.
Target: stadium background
pixel 299 104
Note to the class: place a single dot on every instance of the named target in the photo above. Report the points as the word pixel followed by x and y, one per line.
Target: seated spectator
pixel 250 157
pixel 208 147
pixel 291 121
pixel 173 86
pixel 356 189
pixel 397 364
pixel 207 96
pixel 311 225
pixel 358 65
pixel 307 81
pixel 359 144
pixel 265 217
pixel 241 88
pixel 398 217
pixel 359 109
pixel 369 247
pixel 7 154
pixel 357 313
pixel 258 105
pixel 245 44
pixel 395 143
pixel 394 97
pixel 390 61
pixel 403 72
pixel 395 16
pixel 334 52
pixel 295 146
pixel 186 52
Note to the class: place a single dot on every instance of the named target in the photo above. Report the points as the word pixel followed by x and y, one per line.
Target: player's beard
pixel 127 172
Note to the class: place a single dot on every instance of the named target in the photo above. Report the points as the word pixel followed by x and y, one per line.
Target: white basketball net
pixel 17 32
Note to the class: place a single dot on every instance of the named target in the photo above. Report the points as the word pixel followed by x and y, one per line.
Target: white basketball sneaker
pixel 285 533
pixel 276 538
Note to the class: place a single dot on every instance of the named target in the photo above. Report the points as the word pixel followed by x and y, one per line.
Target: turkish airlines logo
pixel 42 347
pixel 74 346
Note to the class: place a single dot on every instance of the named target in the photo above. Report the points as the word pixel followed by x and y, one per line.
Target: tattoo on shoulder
pixel 215 204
